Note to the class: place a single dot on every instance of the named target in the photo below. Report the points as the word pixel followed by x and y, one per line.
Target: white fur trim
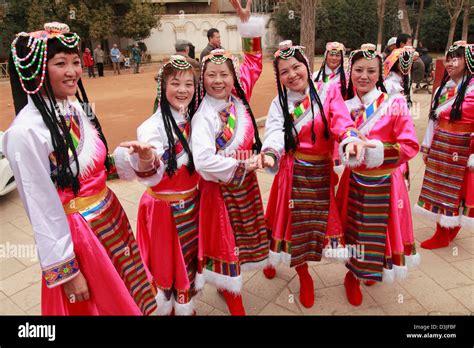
pixel 274 259
pixel 251 266
pixel 467 223
pixel 122 163
pixel 470 162
pixel 199 282
pixel 401 272
pixel 351 162
pixel 252 28
pixel 388 275
pixel 425 213
pixel 231 284
pixel 339 169
pixel 184 308
pixel 450 221
pixel 374 156
pixel 164 307
pixel 413 260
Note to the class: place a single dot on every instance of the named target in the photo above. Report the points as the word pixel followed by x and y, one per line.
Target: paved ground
pixel 442 284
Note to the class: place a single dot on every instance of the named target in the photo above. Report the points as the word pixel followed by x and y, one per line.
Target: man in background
pixel 214 42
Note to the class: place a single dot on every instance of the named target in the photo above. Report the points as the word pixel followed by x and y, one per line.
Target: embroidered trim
pixel 238 175
pixel 425 149
pixel 146 174
pixel 252 45
pixel 59 273
pixel 227 114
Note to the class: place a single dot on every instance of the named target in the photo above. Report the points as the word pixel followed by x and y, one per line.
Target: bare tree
pixel 465 21
pixel 403 16
pixel 454 8
pixel 380 15
pixel 308 28
pixel 418 22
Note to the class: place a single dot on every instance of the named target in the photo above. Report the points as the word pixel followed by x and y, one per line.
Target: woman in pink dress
pixel 161 159
pixel 332 70
pixel 232 233
pixel 372 195
pixel 90 259
pixel 303 123
pixel 447 194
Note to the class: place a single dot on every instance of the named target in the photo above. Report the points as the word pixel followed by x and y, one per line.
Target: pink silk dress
pixel 232 234
pixel 299 235
pixel 372 196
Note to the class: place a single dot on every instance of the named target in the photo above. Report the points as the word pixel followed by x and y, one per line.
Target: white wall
pixel 194 28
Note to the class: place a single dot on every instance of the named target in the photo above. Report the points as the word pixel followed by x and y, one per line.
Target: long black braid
pixel 291 135
pixel 406 82
pixel 379 84
pixel 63 177
pixel 257 145
pixel 456 109
pixel 172 127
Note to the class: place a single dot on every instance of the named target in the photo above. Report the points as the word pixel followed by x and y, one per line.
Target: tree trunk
pixel 403 16
pixel 417 32
pixel 454 10
pixel 380 14
pixel 465 21
pixel 308 29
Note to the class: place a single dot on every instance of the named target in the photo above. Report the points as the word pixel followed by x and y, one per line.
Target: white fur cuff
pixel 374 156
pixel 252 28
pixel 470 162
pixel 352 161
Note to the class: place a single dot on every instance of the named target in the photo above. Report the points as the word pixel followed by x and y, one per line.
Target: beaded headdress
pixel 287 50
pixel 218 57
pixel 402 55
pixel 176 61
pixel 468 54
pixel 334 46
pixel 368 50
pixel 29 66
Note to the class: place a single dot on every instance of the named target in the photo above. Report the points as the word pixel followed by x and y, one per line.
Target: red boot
pixel 306 286
pixel 353 293
pixel 234 302
pixel 453 232
pixel 440 239
pixel 269 272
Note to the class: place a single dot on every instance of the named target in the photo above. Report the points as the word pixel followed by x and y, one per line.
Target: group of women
pixel 201 219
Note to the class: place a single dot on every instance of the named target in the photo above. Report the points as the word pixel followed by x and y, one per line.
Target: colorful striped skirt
pixel 310 198
pixel 108 221
pixel 245 209
pixel 367 222
pixel 445 171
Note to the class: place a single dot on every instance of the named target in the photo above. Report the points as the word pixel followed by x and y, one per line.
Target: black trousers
pixel 100 68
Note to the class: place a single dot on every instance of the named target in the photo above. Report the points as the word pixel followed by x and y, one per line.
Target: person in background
pixel 99 60
pixel 137 58
pixel 391 45
pixel 182 48
pixel 404 40
pixel 115 56
pixel 214 38
pixel 88 62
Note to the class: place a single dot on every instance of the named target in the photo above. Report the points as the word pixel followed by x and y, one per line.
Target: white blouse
pixel 27 144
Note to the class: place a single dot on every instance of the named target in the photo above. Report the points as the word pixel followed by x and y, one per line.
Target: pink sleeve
pixel 341 125
pixel 250 71
pixel 404 132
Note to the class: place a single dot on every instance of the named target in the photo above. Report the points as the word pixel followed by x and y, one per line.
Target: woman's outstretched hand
pixel 243 13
